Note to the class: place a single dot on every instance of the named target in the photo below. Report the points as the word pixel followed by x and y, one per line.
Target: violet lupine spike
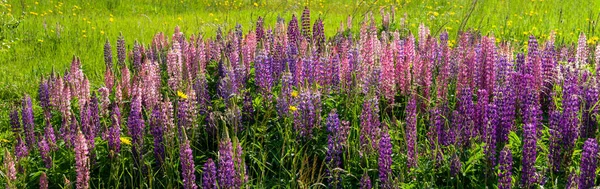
pixel 554 156
pixel 411 131
pixel 226 173
pixel 15 122
pixel 114 132
pixel 121 54
pixel 187 165
pixel 505 102
pixel 284 99
pixel 202 94
pixel 490 123
pixel 334 148
pixel 44 97
pixel 183 118
pixel 293 32
pixel 260 31
pixel 505 169
pixel 82 161
pixel 464 115
pixel 589 120
pixel 21 150
pixel 28 125
pixel 385 159
pixel 480 108
pixel 157 131
pixel 365 182
pixel 569 120
pixel 588 164
pixel 531 112
pixel 136 125
pixel 241 176
pixel 50 136
pixel 44 150
pixel 43 181
pixel 455 165
pixel 369 124
pixel 528 171
pixel 248 108
pixel 306 115
pixel 387 75
pixel 108 58
pixel 318 38
pixel 264 72
pixel 209 175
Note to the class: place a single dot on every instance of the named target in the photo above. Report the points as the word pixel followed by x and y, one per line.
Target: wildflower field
pixel 311 94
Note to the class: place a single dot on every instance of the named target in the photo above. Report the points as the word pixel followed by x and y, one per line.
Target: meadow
pixel 285 94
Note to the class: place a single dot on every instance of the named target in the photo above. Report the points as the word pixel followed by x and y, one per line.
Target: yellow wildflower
pixel 294 94
pixel 111 19
pixel 125 140
pixel 40 40
pixel 293 108
pixel 181 95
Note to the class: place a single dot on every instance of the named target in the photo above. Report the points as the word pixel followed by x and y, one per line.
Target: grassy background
pixel 37 37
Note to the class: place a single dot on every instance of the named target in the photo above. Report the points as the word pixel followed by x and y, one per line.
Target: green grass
pixel 38 37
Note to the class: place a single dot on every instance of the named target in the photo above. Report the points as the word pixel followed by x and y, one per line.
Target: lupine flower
pixel 582 52
pixel 455 165
pixel 43 181
pixel 260 31
pixel 284 99
pixel 135 125
pixel 9 167
pixel 385 159
pixel 44 149
pixel 108 58
pixel 187 165
pixel 365 182
pixel 528 171
pixel 306 118
pixel 264 73
pixel 569 120
pixel 464 117
pixel 505 104
pixel 209 175
pixel 21 150
pixel 589 122
pixel 334 148
pixel 411 131
pixel 226 169
pixel 82 161
pixel 555 139
pixel 202 94
pixel 490 123
pixel 28 125
pixel 588 164
pixel 387 75
pixel 505 168
pixel 157 130
pixel 241 176
pixel 293 31
pixel 369 124
pixel 318 37
pixel 121 50
pixel 114 132
pixel 306 23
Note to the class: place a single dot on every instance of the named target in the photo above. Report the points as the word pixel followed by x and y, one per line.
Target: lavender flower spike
pixel 589 163
pixel 209 177
pixel 187 165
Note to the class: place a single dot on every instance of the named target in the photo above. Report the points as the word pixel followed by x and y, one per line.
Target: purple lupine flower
pixel 209 175
pixel 588 164
pixel 464 117
pixel 241 177
pixel 490 123
pixel 226 169
pixel 555 139
pixel 569 120
pixel 82 161
pixel 284 99
pixel 365 182
pixel 528 172
pixel 44 97
pixel 505 104
pixel 50 136
pixel 480 108
pixel 114 132
pixel 121 50
pixel 293 32
pixel 385 159
pixel 306 117
pixel 437 130
pixel 369 124
pixel 187 165
pixel 387 75
pixel 9 166
pixel 108 58
pixel 589 122
pixel 264 73
pixel 248 108
pixel 318 37
pixel 202 94
pixel 15 123
pixel 21 150
pixel 137 57
pixel 157 131
pixel 411 131
pixel 455 165
pixel 305 19
pixel 135 126
pixel 28 125
pixel 505 167
pixel 260 30
pixel 582 52
pixel 334 148
pixel 43 181
pixel 44 149
pixel 184 121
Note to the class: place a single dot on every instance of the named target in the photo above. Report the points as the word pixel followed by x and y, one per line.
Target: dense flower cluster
pixel 321 109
